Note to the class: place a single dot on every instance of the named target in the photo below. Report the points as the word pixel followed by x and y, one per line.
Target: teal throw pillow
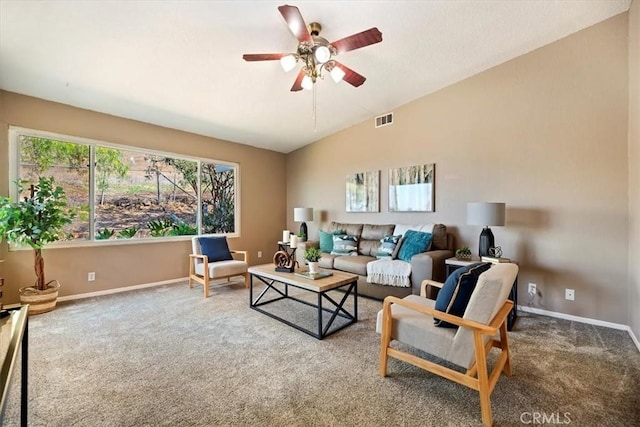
pixel 388 246
pixel 345 245
pixel 456 292
pixel 414 242
pixel 326 241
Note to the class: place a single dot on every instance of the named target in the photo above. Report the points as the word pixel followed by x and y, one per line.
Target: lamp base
pixel 486 242
pixel 303 232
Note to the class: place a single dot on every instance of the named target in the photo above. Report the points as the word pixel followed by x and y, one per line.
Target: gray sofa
pixel 425 265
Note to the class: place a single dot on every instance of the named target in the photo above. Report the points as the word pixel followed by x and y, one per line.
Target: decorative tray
pixel 313 276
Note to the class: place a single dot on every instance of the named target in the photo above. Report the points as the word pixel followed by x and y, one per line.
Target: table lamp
pixel 485 214
pixel 302 215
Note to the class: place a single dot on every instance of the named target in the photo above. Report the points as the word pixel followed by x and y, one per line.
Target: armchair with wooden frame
pixel 202 270
pixel 482 327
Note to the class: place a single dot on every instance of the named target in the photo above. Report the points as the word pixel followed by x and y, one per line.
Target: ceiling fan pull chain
pixel 314 116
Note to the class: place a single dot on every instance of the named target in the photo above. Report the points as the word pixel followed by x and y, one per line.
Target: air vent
pixel 384 120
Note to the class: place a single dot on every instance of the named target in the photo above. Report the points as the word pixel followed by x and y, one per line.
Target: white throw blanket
pixel 392 272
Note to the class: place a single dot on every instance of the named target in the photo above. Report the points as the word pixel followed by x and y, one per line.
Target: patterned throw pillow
pixel 388 246
pixel 345 245
pixel 414 242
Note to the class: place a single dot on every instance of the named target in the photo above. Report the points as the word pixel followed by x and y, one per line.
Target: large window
pixel 127 193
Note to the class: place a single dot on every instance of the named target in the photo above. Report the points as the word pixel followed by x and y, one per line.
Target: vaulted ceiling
pixel 179 63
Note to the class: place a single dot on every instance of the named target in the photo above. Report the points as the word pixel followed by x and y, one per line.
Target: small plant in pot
pixel 35 220
pixel 464 253
pixel 313 255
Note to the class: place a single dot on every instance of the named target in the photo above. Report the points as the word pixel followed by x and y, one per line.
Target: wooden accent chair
pixel 482 327
pixel 201 270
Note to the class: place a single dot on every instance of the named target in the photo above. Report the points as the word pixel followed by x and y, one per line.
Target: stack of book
pixel 494 260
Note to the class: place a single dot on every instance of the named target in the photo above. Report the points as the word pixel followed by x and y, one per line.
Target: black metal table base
pixel 337 309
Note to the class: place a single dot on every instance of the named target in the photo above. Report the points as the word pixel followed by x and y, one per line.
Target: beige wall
pixel 262 191
pixel 634 168
pixel 546 133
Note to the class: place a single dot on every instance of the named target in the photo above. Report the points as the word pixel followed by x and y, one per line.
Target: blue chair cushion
pixel 215 248
pixel 456 292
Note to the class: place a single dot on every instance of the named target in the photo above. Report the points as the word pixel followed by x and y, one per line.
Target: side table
pixel 452 264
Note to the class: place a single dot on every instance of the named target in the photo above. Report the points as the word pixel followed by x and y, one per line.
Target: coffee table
pixel 278 283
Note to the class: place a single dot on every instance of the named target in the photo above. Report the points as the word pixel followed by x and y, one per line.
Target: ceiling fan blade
pixel 356 41
pixel 263 56
pixel 296 24
pixel 297 85
pixel 350 76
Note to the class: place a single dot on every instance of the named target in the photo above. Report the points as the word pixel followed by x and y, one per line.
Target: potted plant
pixel 313 255
pixel 35 220
pixel 464 253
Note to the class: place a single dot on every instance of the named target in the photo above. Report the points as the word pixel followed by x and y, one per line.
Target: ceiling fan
pixel 316 53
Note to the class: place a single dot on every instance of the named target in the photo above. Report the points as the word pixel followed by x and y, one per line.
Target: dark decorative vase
pixel 486 242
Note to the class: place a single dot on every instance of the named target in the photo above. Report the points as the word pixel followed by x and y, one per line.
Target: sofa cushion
pixel 326 261
pixel 387 248
pixel 350 229
pixel 344 245
pixel 414 242
pixel 439 240
pixel 356 264
pixel 215 248
pixel 370 238
pixel 454 296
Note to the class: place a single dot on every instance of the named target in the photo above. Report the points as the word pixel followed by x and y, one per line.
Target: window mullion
pixel 92 191
pixel 199 198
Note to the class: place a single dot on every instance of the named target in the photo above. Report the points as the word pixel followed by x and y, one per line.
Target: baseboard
pixel 580 319
pixel 118 290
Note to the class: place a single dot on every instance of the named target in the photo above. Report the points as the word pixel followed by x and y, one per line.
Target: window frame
pixel 13 174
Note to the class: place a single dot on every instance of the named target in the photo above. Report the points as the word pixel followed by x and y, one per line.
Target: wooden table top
pixel 339 278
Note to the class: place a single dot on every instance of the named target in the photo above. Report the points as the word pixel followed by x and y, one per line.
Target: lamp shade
pixel 485 213
pixel 302 214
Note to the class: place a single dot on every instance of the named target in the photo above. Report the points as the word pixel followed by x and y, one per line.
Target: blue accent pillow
pixel 456 292
pixel 215 248
pixel 414 242
pixel 326 240
pixel 388 246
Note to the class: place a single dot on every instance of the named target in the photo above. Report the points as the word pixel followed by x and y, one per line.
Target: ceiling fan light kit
pixel 316 53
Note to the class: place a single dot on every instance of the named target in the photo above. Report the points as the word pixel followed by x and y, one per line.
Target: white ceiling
pixel 179 63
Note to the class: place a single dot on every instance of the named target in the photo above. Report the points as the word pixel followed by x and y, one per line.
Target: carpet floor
pixel 166 356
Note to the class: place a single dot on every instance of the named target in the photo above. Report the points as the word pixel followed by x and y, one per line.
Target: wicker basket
pixel 40 301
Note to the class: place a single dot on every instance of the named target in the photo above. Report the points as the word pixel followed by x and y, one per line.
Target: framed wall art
pixel 363 192
pixel 411 188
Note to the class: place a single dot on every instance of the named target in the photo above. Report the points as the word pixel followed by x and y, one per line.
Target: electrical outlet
pixel 533 289
pixel 569 294
pixel 91 276
pixel 259 254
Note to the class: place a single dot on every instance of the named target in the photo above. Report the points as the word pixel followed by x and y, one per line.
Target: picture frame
pixel 412 188
pixel 363 192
